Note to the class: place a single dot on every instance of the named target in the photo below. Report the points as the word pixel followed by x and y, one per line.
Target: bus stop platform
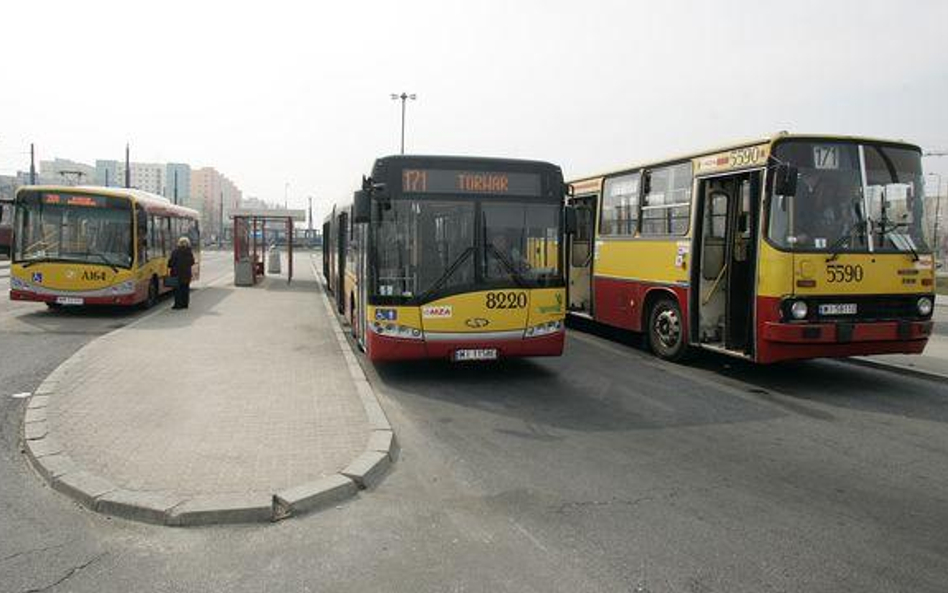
pixel 249 406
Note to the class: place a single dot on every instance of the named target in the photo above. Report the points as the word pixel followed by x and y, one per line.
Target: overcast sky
pixel 275 92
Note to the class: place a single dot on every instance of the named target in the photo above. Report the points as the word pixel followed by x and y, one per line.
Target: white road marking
pixel 23 395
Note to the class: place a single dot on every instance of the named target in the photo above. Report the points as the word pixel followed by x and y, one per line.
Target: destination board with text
pixel 470 182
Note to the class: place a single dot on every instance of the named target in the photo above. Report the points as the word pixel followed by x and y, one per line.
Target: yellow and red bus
pixel 95 245
pixel 787 247
pixel 453 258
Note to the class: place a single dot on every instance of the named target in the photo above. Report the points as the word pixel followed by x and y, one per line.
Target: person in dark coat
pixel 179 266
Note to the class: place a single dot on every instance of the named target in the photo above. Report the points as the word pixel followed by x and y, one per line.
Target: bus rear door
pixel 580 254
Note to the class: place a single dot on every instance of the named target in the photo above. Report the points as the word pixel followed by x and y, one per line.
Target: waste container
pixel 273 261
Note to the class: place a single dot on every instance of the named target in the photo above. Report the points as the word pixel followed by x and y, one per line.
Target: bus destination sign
pixel 470 182
pixel 67 200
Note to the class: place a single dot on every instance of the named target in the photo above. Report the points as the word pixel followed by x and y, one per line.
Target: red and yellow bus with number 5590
pixel 788 247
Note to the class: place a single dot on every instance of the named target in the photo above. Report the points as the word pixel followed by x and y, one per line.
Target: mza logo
pixel 97 276
pixel 386 314
pixel 437 311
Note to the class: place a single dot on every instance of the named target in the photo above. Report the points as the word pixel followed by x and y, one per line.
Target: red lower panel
pixel 621 303
pixel 127 299
pixel 789 341
pixel 382 348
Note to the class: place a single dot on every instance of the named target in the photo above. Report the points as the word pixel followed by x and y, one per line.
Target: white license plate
pixel 476 354
pixel 69 301
pixel 838 309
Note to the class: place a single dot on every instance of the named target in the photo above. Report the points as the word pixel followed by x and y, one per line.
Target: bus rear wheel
pixel 666 332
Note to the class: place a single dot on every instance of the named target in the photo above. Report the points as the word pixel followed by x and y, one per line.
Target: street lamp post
pixel 404 98
pixel 286 195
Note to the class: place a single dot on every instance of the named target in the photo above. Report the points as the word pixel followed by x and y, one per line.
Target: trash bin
pixel 273 261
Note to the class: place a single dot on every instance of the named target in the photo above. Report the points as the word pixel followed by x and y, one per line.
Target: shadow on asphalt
pixel 836 383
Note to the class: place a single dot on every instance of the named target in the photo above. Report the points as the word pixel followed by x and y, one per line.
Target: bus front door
pixel 580 255
pixel 724 272
pixel 341 248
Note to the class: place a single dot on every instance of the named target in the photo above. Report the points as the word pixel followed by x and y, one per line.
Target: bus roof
pixel 741 144
pixel 147 199
pixel 461 160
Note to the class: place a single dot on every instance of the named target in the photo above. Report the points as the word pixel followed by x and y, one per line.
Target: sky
pixel 277 92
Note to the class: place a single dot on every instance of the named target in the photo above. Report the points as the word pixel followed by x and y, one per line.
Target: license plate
pixel 838 309
pixel 69 301
pixel 476 354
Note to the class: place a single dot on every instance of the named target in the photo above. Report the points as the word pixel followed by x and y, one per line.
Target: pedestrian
pixel 179 267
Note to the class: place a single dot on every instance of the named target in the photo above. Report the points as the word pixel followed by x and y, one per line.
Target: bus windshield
pixel 851 198
pixel 429 246
pixel 74 228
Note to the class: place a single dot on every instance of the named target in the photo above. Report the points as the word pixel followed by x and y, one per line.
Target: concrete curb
pixel 899 368
pixel 46 455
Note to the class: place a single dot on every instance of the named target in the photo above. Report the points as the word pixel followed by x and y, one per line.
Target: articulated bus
pixel 790 247
pixel 95 245
pixel 453 258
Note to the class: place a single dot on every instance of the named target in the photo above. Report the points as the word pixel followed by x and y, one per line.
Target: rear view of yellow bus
pixel 453 258
pixel 77 246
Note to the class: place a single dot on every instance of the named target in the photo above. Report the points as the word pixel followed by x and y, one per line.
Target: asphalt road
pixel 605 470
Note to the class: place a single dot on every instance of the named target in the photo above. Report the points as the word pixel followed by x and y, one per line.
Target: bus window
pixel 620 205
pixel 666 206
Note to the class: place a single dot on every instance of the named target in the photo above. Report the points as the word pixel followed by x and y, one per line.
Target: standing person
pixel 179 266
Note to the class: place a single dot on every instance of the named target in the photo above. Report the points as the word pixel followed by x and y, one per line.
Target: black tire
pixel 666 332
pixel 152 299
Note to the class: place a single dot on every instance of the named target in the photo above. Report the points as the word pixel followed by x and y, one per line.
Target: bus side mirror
pixel 785 180
pixel 569 221
pixel 361 206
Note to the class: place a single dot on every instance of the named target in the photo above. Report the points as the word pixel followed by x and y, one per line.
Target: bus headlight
pixel 544 329
pixel 402 332
pixel 924 306
pixel 798 310
pixel 17 284
pixel 127 287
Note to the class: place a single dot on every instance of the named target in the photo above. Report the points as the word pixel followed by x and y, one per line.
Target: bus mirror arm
pixel 361 206
pixel 569 220
pixel 785 180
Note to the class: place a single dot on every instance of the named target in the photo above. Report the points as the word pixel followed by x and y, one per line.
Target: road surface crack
pixel 585 504
pixel 69 574
pixel 33 551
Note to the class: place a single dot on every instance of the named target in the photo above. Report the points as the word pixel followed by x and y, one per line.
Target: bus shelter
pixel 255 231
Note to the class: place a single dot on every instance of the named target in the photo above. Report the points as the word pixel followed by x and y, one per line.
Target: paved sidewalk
pixel 245 407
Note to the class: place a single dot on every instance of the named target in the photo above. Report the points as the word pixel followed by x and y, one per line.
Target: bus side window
pixel 142 221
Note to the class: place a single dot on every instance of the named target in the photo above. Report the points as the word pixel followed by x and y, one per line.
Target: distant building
pixel 65 172
pixel 178 183
pixel 209 191
pixel 107 173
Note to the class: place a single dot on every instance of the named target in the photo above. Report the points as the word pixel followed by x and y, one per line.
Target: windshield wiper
pixel 447 273
pixel 107 261
pixel 836 248
pixel 502 258
pixel 902 243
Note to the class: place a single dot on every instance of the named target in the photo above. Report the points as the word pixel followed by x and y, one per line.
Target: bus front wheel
pixel 666 332
pixel 152 299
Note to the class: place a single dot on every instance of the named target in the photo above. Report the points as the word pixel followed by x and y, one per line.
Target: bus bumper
pixel 384 348
pixel 789 341
pixel 122 299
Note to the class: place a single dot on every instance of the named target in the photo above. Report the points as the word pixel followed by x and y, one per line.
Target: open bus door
pixel 725 265
pixel 580 255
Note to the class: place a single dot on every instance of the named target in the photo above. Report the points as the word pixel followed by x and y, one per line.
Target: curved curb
pixel 900 369
pixel 47 456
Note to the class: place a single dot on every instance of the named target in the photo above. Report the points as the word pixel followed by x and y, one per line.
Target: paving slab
pixel 213 414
